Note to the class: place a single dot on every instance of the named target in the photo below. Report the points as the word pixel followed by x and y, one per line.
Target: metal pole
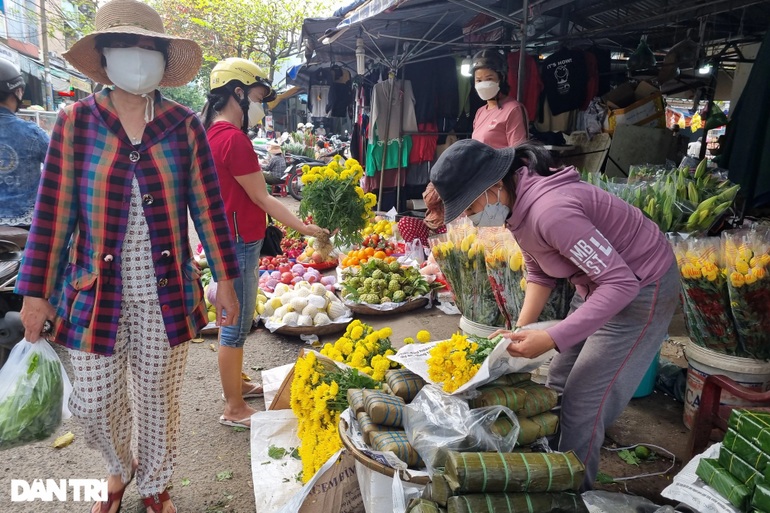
pixel 46 63
pixel 400 142
pixel 523 52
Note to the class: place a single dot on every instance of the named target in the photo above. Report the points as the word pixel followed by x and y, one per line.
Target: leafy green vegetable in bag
pixel 31 395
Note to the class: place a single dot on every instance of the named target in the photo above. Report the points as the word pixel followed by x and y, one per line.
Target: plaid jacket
pixel 73 253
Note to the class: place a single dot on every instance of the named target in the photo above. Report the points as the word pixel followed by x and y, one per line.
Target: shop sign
pixel 9 53
pixel 80 84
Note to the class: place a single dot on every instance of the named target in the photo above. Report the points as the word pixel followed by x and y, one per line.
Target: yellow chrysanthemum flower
pixel 423 336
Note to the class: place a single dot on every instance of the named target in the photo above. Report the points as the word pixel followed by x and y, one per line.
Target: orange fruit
pixel 354 261
pixel 369 251
pixel 380 254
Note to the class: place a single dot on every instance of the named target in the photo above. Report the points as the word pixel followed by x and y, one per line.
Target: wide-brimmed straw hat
pixel 273 147
pixel 465 170
pixel 132 17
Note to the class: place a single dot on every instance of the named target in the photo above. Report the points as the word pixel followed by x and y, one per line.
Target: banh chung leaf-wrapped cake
pixel 539 399
pixel 760 501
pixel 752 425
pixel 404 384
pixel 743 447
pixel 507 396
pixel 510 379
pixel 368 427
pixel 526 398
pixel 356 400
pixel 384 409
pixel 398 443
pixel 423 506
pixel 544 424
pixel 438 489
pixel 718 478
pixel 739 468
pixel 517 503
pixel 493 472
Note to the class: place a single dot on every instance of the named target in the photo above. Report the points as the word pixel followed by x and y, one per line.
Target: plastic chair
pixel 711 415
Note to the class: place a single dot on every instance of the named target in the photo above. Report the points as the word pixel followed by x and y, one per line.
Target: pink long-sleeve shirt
pixel 607 248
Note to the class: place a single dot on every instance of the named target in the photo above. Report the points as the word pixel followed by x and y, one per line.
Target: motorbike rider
pixel 276 166
pixel 23 146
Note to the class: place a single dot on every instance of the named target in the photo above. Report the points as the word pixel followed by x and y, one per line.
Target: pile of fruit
pixel 292 248
pixel 289 274
pixel 363 255
pixel 378 282
pixel 270 263
pixel 316 252
pixel 308 304
pixel 383 228
pixel 209 296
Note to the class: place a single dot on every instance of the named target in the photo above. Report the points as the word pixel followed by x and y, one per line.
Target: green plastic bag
pixel 34 391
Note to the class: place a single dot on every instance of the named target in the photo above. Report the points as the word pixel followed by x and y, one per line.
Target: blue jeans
pixel 246 290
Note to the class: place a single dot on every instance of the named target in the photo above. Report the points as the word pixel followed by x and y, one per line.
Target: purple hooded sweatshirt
pixel 607 248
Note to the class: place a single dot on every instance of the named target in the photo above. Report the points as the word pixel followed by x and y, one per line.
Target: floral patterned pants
pixel 140 384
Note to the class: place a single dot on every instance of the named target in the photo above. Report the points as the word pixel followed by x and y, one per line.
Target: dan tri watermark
pixel 62 490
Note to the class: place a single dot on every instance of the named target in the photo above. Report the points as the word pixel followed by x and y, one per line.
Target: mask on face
pixel 256 113
pixel 487 89
pixel 493 214
pixel 135 70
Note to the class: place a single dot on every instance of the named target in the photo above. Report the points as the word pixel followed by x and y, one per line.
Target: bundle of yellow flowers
pixel 454 362
pixel 363 348
pixel 747 254
pixel 332 196
pixel 318 396
pixel 508 277
pixel 705 300
pixel 460 256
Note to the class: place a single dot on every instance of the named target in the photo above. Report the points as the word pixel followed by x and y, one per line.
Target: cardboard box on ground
pixel 630 104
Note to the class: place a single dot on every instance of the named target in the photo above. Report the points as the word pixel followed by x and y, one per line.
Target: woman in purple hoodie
pixel 619 261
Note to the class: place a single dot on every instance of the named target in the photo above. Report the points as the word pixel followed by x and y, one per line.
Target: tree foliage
pixel 265 32
pixel 70 20
pixel 189 95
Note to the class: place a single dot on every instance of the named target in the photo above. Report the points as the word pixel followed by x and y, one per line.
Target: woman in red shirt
pixel 502 122
pixel 238 89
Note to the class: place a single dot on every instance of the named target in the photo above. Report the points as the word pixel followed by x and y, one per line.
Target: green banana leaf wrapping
pixel 718 478
pixel 423 506
pixel 544 424
pixel 397 442
pixel 384 409
pixel 517 503
pixel 368 428
pixel 507 396
pixel 404 384
pixel 492 472
pixel 739 468
pixel 438 489
pixel 760 502
pixel 751 424
pixel 356 400
pixel 539 399
pixel 743 447
pixel 510 379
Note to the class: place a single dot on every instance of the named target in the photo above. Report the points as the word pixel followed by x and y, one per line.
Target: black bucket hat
pixel 465 170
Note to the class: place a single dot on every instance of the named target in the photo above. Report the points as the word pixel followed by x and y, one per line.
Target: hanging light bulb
pixel 465 66
pixel 360 56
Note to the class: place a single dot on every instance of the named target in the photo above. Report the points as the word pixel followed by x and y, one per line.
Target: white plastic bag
pixel 34 392
pixel 436 422
pixel 415 251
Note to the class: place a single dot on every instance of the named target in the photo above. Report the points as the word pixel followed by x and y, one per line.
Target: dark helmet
pixel 10 77
pixel 490 59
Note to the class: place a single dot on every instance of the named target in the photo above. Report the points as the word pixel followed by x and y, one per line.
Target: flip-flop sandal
pixel 251 394
pixel 155 502
pixel 244 423
pixel 113 497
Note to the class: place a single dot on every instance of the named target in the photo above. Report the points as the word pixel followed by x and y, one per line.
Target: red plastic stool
pixel 711 415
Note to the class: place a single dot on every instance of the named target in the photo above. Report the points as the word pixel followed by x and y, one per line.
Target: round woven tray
pixel 296 331
pixel 370 463
pixel 410 305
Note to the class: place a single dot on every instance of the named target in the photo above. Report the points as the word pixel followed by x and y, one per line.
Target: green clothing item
pixel 375 150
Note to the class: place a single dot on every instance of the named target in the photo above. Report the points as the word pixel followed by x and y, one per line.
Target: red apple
pixel 317 258
pixel 271 267
pixel 286 278
pixel 284 268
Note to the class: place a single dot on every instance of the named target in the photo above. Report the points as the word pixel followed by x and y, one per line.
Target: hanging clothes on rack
pixel 565 80
pixel 533 85
pixel 385 141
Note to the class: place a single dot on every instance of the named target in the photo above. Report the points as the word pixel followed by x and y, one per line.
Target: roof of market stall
pixel 422 27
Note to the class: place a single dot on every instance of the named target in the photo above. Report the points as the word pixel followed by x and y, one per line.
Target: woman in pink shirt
pixel 502 122
pixel 623 269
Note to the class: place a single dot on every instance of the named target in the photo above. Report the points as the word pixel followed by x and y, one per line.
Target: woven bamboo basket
pixel 363 309
pixel 372 464
pixel 297 331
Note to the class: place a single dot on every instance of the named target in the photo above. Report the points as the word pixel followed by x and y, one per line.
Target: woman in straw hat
pixel 276 166
pixel 108 257
pixel 238 89
pixel 620 262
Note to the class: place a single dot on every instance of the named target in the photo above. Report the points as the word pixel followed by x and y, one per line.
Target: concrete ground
pixel 213 472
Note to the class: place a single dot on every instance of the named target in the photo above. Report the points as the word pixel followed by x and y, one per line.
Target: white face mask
pixel 256 113
pixel 135 70
pixel 493 214
pixel 487 89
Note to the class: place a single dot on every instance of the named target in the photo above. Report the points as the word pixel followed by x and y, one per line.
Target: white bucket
pixel 750 373
pixel 471 328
